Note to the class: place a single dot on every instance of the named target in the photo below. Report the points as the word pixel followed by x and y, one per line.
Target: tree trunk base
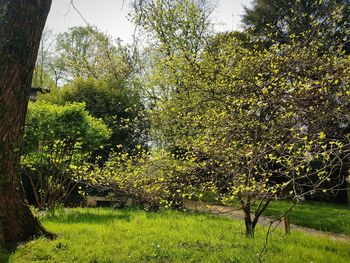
pixel 249 232
pixel 17 223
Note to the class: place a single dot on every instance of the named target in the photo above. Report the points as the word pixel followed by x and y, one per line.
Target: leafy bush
pixel 117 104
pixel 58 140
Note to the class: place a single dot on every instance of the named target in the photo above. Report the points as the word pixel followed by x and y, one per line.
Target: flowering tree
pixel 253 124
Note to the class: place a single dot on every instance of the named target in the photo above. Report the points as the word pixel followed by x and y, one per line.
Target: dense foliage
pixel 57 141
pixel 277 21
pixel 89 66
pixel 118 105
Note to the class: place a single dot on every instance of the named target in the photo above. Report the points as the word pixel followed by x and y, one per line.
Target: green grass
pixel 104 235
pixel 320 216
pixel 317 215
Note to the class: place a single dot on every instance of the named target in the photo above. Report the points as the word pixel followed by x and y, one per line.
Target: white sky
pixel 110 16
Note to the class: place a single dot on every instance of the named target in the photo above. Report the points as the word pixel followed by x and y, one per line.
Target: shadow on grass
pixel 89 217
pixel 5 255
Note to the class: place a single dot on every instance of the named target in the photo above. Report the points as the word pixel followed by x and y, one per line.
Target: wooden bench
pixel 93 201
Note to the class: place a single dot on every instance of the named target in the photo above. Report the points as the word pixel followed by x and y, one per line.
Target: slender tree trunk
pixel 249 230
pixel 21 26
pixel 249 224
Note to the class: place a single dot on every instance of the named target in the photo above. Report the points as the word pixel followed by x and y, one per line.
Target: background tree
pixel 176 31
pixel 277 21
pixel 21 26
pixel 99 72
pixel 42 77
pixel 86 52
pixel 119 105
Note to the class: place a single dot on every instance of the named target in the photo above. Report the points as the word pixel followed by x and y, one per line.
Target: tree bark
pixel 249 225
pixel 21 26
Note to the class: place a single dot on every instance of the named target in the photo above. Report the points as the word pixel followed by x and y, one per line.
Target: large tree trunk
pixel 21 26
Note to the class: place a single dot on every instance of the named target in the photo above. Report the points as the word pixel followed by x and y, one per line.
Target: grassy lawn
pixel 317 215
pixel 104 235
pixel 320 216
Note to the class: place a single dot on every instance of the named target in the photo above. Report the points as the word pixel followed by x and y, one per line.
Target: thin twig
pixel 269 231
pixel 71 4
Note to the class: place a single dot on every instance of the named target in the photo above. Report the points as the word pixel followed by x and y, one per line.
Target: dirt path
pixel 232 213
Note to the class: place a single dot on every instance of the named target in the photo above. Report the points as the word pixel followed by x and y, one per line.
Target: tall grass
pixel 105 235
